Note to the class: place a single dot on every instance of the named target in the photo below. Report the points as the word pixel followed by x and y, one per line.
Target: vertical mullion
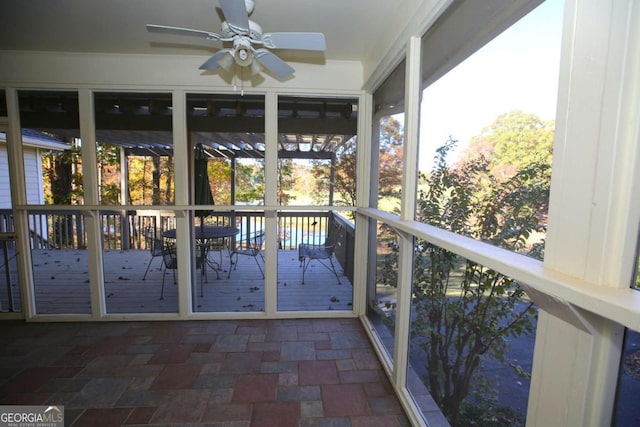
pixel 91 197
pixel 271 200
pixel 182 218
pixel 19 197
pixel 408 203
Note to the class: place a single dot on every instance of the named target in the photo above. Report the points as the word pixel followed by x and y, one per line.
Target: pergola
pixel 229 126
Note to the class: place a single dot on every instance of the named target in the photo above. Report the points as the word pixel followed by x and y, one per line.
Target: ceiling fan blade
pixel 212 63
pixel 235 12
pixel 299 41
pixel 183 32
pixel 272 63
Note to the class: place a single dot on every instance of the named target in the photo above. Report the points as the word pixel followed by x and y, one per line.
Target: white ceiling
pixel 351 27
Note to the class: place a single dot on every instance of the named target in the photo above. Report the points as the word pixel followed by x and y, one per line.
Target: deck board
pixel 61 279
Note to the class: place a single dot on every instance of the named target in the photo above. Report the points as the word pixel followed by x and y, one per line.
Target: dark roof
pixel 44 136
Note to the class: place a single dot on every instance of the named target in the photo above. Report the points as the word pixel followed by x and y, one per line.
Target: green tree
pixel 62 176
pixel 109 173
pixel 250 181
pixel 512 142
pixel 321 186
pixel 167 180
pixel 463 310
pixel 286 181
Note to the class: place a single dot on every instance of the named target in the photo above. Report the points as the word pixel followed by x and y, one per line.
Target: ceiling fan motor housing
pixel 255 31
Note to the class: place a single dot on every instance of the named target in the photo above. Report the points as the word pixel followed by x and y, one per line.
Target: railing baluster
pixel 66 230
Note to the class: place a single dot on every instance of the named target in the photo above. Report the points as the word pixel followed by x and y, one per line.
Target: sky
pixel 517 70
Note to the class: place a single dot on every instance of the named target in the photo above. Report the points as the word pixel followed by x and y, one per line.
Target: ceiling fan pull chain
pixel 242 81
pixel 235 77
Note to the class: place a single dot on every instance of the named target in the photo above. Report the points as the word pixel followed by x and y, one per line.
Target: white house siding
pixel 33 177
pixel 33 180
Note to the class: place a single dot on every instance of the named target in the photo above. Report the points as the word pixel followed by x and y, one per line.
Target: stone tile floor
pixel 271 373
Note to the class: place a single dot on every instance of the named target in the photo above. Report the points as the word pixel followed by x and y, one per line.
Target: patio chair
pixel 170 262
pixel 217 245
pixel 249 247
pixel 308 252
pixel 155 248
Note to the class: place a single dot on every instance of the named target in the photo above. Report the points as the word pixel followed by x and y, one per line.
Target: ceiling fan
pixel 249 46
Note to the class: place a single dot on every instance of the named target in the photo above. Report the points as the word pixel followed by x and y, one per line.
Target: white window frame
pixel 583 285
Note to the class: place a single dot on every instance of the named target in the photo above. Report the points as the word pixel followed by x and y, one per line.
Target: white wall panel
pixel 75 70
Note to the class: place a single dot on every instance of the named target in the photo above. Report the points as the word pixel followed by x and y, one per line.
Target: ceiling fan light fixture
pixel 242 52
pixel 255 68
pixel 226 61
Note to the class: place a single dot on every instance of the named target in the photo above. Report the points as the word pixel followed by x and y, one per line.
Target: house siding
pixel 33 177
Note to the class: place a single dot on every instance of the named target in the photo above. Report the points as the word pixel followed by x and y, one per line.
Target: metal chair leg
pixel 258 264
pixel 164 273
pixel 147 270
pixel 332 268
pixel 334 271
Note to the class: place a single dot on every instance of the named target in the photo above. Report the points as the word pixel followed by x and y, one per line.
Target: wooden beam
pixel 318 126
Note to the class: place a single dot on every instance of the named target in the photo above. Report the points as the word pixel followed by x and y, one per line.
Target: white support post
pixel 408 206
pixel 363 176
pixel 19 197
pixel 593 212
pixel 271 199
pixel 183 219
pixel 91 190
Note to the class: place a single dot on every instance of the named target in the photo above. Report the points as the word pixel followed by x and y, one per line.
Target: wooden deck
pixel 61 279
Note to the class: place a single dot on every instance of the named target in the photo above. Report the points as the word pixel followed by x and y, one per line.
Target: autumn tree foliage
pixel 390 158
pixel 151 180
pixel 344 178
pixel 219 173
pixel 463 311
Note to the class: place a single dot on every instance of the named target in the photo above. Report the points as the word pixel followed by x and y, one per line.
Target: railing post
pixel 125 234
pixel 80 229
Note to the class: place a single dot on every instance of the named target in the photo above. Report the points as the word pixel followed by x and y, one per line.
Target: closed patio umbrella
pixel 202 196
pixel 202 188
